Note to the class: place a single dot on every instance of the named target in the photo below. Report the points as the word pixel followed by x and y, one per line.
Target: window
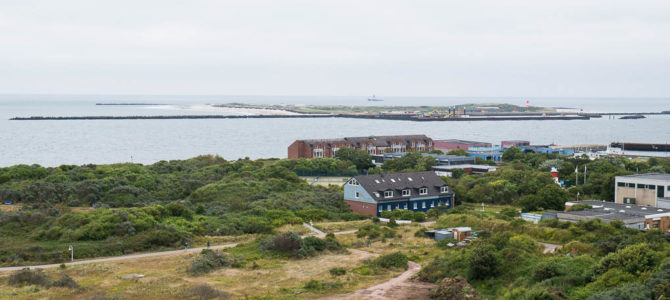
pixel 651 187
pixel 388 207
pixel 406 193
pixel 354 182
pixel 660 192
pixel 444 189
pixel 317 153
pixel 414 205
pixel 423 191
pixel 631 185
pixel 357 195
pixel 397 206
pixel 640 186
pixel 423 204
pixel 405 206
pixel 409 178
pixel 432 204
pixel 388 194
pixel 622 184
pixel 376 194
pixel 380 208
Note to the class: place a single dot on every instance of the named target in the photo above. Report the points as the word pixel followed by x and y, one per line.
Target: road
pixel 114 258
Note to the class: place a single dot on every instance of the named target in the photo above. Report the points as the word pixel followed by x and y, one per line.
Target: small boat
pixel 374 98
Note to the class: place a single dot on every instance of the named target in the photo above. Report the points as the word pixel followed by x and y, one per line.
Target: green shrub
pixel 209 261
pixel 28 277
pixel 419 216
pixel 205 292
pixel 337 271
pixel 316 285
pixel 65 281
pixel 545 270
pixel 393 260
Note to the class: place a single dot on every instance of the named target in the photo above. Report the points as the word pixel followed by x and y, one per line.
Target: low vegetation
pixel 597 260
pixel 37 277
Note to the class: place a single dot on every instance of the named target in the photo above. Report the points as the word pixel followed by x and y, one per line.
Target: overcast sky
pixel 283 47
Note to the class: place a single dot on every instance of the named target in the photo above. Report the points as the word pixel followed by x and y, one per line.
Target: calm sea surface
pixel 52 143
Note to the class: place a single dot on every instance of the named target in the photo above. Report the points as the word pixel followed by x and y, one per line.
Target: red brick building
pixel 375 145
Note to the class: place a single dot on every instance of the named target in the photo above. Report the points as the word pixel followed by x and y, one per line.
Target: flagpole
pixel 584 175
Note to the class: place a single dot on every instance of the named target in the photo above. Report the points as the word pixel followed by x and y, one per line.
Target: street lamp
pixel 71 253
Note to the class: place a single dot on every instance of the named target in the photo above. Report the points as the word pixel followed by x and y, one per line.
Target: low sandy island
pixel 233 111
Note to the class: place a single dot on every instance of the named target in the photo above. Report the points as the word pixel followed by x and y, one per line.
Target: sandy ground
pixel 401 287
pixel 227 110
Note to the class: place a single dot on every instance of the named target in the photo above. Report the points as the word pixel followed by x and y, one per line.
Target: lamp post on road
pixel 71 253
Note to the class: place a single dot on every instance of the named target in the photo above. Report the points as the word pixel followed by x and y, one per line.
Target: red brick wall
pixel 362 207
pixel 299 150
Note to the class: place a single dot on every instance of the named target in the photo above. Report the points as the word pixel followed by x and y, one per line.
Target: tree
pixel 482 261
pixel 511 154
pixel 459 152
pixel 457 173
pixel 360 158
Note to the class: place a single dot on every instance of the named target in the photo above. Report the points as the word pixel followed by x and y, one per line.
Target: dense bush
pixel 208 261
pixel 394 260
pixel 290 243
pixel 65 281
pixel 337 271
pixel 29 277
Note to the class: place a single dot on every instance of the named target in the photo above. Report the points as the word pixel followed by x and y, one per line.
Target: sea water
pixel 52 143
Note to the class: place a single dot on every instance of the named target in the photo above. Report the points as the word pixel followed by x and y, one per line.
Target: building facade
pixel 417 191
pixel 375 145
pixel 658 221
pixel 452 144
pixel 643 189
pixel 514 143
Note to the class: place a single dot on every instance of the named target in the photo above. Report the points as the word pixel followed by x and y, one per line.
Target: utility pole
pixel 576 177
pixel 71 253
pixel 584 175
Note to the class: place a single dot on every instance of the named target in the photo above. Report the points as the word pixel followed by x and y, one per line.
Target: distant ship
pixel 374 98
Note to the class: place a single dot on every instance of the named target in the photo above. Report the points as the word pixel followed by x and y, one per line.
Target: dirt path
pixel 97 260
pixel 397 288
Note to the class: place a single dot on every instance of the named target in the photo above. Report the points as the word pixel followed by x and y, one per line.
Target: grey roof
pixel 462 142
pixel 400 181
pixel 614 211
pixel 384 140
pixel 652 176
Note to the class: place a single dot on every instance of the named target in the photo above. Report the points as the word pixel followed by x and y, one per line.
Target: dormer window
pixel 388 194
pixel 376 194
pixel 444 189
pixel 406 193
pixel 423 191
